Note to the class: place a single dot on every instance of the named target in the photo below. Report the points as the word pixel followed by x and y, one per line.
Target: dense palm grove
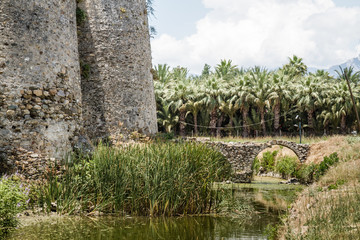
pixel 230 101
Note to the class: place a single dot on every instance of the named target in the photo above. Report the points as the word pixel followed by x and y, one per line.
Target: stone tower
pixel 117 87
pixel 40 95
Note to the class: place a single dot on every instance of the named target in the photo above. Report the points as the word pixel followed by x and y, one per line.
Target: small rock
pixel 10 113
pixel 61 93
pixel 38 93
pixel 53 92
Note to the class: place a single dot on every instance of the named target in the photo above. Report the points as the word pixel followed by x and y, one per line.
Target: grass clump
pixel 13 200
pixel 148 180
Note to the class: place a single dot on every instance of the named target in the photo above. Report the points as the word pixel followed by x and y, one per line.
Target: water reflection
pixel 266 203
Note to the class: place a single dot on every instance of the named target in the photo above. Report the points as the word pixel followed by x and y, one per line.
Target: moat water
pixel 258 205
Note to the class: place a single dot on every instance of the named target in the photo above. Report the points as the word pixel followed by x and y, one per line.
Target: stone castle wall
pixel 114 46
pixel 40 96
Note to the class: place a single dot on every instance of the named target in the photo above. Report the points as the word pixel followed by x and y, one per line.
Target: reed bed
pixel 145 180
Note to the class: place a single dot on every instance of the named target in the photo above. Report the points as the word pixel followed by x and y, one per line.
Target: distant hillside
pixel 355 63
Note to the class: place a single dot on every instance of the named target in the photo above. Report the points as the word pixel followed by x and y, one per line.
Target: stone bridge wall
pixel 241 155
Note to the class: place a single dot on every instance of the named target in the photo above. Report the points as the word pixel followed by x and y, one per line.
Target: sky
pixel 252 33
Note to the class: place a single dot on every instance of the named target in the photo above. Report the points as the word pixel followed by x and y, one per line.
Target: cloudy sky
pixel 255 32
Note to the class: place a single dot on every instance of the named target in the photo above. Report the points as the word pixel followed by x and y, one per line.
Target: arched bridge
pixel 242 155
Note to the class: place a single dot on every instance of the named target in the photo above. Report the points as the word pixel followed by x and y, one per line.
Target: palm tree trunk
pixel 343 123
pixel 182 122
pixel 245 125
pixel 195 124
pixel 213 120
pixel 231 124
pixel 263 126
pixel 277 118
pixel 219 123
pixel 311 119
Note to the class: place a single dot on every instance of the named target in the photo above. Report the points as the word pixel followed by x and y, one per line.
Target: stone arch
pixel 241 155
pixel 300 150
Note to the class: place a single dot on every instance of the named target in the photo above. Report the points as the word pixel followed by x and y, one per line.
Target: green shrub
pixel 326 164
pixel 268 161
pixel 13 200
pixel 149 179
pixel 312 172
pixel 286 166
pixel 306 173
pixel 256 166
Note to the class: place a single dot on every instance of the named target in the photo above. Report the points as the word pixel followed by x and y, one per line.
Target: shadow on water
pixel 266 201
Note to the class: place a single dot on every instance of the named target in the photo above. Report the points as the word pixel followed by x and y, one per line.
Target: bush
pixel 148 179
pixel 286 166
pixel 306 173
pixel 13 200
pixel 326 164
pixel 256 166
pixel 312 172
pixel 268 161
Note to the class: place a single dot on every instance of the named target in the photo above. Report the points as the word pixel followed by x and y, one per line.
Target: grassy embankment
pixel 329 208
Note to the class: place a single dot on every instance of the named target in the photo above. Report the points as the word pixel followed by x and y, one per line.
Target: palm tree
pixel 310 91
pixel 239 100
pixel 195 103
pixel 166 118
pixel 259 93
pixel 279 92
pixel 211 98
pixel 295 67
pixel 349 77
pixel 163 72
pixel 177 93
pixel 225 70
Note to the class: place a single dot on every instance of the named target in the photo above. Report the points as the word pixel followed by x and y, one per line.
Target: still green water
pixel 256 205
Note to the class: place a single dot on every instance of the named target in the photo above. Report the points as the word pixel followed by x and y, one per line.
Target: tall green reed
pixel 148 179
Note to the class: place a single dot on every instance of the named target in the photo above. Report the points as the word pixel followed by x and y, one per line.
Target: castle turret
pixel 117 86
pixel 40 94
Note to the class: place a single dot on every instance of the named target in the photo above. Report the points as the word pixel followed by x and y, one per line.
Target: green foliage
pixel 150 179
pixel 306 173
pixel 326 164
pixel 80 16
pixel 85 70
pixel 271 231
pixel 286 166
pixel 13 200
pixel 268 161
pixel 256 165
pixel 337 184
pixel 255 101
pixel 312 172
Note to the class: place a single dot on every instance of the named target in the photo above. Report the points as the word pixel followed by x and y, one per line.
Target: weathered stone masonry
pixel 242 155
pixel 41 94
pixel 114 43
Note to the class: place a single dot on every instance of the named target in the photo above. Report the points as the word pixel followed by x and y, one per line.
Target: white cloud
pixel 265 33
